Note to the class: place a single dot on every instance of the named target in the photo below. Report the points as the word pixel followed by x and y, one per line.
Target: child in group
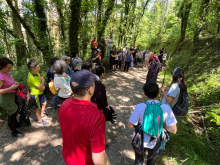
pixel 36 85
pixel 139 56
pixel 151 90
pixel 147 56
pixel 153 70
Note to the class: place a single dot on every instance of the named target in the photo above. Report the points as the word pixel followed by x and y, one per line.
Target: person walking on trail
pixel 61 81
pixel 94 43
pixel 127 60
pixel 170 97
pixel 151 90
pixel 153 70
pixel 82 124
pixel 114 55
pixel 160 56
pixel 139 56
pixel 8 97
pixel 121 56
pixel 36 86
pixel 109 46
pixel 103 47
pixel 50 77
pixel 67 60
pixel 146 59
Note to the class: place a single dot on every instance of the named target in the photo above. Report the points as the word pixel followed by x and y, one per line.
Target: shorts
pixel 139 60
pixel 38 100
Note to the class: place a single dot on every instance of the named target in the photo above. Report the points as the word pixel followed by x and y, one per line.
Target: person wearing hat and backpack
pixel 67 60
pixel 162 113
pixel 177 86
pixel 82 123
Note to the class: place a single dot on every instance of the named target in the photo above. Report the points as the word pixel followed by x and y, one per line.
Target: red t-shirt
pixel 93 42
pixel 83 130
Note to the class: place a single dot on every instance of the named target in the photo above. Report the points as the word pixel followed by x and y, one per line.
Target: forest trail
pixel 43 145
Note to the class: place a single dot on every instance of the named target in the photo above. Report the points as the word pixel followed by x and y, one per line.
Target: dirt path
pixel 43 145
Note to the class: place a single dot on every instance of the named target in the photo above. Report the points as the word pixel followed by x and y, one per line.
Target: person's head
pixel 94 38
pixel 100 71
pixel 33 66
pixel 95 51
pixel 154 52
pixel 114 48
pixel 98 51
pixel 178 77
pixel 83 59
pixel 5 65
pixel 83 84
pixel 138 47
pixel 87 66
pixel 130 45
pixel 146 48
pixel 110 36
pixel 154 60
pixel 139 50
pixel 75 55
pixel 164 51
pixel 151 89
pixel 103 38
pixel 53 60
pixel 121 49
pixel 66 58
pixel 147 51
pixel 59 67
pixel 162 48
pixel 125 45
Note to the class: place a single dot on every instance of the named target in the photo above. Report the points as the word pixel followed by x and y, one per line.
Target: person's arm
pixel 170 99
pixel 100 158
pixel 77 60
pixel 41 86
pixel 172 129
pixel 2 91
pixel 130 125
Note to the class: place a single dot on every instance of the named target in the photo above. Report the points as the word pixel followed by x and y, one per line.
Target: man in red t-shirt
pixel 94 43
pixel 82 124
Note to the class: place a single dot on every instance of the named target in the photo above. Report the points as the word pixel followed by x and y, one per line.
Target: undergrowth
pixel 202 75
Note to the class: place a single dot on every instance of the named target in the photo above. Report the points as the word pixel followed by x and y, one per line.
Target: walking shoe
pixel 44 115
pixel 43 123
pixel 17 134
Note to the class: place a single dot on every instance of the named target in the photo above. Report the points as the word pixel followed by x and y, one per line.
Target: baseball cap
pixel 94 37
pixel 130 44
pixel 64 58
pixel 98 50
pixel 125 44
pixel 82 79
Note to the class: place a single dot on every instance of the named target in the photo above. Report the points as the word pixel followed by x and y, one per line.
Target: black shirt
pixel 94 56
pixel 99 97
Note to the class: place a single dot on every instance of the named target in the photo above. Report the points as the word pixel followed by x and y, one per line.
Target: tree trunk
pixel 42 23
pixel 74 25
pixel 20 45
pixel 165 16
pixel 103 23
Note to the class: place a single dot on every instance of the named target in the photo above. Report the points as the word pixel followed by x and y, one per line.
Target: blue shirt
pixel 68 71
pixel 51 75
pixel 128 58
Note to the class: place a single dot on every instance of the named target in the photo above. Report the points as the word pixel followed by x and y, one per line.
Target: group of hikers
pixel 84 109
pixel 127 57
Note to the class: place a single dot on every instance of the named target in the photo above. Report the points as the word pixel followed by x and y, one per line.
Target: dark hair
pixel 154 52
pixel 4 62
pixel 32 65
pixel 87 66
pixel 99 70
pixel 151 89
pixel 59 67
pixel 79 92
pixel 53 60
pixel 178 77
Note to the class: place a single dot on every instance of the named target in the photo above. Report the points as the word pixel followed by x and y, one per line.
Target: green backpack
pixel 153 119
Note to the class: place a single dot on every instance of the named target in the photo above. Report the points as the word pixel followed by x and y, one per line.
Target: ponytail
pixel 178 77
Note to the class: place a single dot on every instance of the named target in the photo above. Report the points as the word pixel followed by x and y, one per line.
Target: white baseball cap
pixel 64 58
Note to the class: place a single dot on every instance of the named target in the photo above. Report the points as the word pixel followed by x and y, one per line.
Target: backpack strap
pixel 159 104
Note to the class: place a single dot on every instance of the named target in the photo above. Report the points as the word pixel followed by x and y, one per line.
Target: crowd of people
pixel 126 57
pixel 77 87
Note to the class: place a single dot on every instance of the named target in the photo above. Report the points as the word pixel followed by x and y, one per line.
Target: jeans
pixel 139 159
pixel 109 48
pixel 55 100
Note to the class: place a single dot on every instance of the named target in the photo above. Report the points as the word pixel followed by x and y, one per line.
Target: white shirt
pixel 138 114
pixel 139 55
pixel 110 40
pixel 147 56
pixel 62 83
pixel 125 50
pixel 173 91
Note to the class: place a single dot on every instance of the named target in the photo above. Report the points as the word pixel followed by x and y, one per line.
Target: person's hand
pixel 162 89
pixel 14 86
pixel 17 83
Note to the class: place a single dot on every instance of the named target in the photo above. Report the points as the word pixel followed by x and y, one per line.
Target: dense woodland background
pixel 189 30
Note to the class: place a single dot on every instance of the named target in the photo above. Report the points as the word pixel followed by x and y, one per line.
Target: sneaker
pixel 17 134
pixel 44 115
pixel 43 123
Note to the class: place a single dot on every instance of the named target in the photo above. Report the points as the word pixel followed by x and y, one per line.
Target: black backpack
pixel 181 108
pixel 24 117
